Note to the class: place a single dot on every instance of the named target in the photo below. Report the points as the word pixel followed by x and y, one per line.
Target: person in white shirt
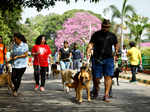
pixel 124 59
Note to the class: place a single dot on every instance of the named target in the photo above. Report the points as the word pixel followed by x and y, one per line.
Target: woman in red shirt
pixel 41 52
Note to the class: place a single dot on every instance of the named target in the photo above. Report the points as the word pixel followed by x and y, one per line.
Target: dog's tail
pixel 71 85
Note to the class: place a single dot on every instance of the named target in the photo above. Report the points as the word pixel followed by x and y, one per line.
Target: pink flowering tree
pixel 78 29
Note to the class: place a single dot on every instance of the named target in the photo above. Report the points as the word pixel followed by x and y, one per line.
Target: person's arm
pixel 35 53
pixel 116 52
pixel 59 55
pixel 116 48
pixel 5 55
pixel 21 56
pixel 89 50
pixel 140 58
pixel 128 53
pixel 51 58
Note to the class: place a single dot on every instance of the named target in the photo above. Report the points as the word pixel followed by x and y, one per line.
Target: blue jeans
pixel 64 65
pixel 1 68
pixel 133 71
pixel 76 64
pixel 104 68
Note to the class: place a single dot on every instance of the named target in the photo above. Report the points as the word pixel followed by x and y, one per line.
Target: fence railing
pixel 146 62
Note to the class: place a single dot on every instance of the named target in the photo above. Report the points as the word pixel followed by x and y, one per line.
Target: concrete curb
pixel 139 80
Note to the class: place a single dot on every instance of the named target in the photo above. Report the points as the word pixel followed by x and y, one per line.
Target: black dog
pixel 116 75
pixel 53 69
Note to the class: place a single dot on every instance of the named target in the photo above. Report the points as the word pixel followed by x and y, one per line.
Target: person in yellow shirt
pixel 134 55
pixel 2 55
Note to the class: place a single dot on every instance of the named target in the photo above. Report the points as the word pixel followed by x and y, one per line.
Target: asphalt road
pixel 127 97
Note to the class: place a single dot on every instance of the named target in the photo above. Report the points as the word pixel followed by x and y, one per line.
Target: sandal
pixel 106 99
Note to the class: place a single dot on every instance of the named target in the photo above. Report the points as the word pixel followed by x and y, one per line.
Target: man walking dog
pixel 102 59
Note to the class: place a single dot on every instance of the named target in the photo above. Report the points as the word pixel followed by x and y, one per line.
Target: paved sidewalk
pixel 141 77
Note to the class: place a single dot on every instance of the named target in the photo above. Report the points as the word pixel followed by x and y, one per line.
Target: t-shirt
pixel 103 42
pixel 36 59
pixel 134 55
pixel 42 58
pixel 76 54
pixel 64 54
pixel 2 51
pixel 17 51
pixel 124 54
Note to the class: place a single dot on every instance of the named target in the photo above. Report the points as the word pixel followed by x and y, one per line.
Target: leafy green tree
pixel 4 30
pixel 116 13
pixel 38 4
pixel 29 32
pixel 137 25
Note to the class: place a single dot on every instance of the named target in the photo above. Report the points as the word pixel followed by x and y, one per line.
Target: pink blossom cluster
pixel 145 44
pixel 78 29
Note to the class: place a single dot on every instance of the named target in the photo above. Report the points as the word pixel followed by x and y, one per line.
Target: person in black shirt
pixel 64 56
pixel 102 58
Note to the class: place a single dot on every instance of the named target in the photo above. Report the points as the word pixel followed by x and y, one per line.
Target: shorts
pixel 103 68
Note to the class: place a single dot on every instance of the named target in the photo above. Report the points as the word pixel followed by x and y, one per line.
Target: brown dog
pixel 81 81
pixel 54 72
pixel 5 80
pixel 67 77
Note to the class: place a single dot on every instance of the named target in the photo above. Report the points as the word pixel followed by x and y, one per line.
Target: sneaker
pixel 36 87
pixel 42 89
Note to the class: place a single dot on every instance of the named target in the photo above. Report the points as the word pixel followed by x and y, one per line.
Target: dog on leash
pixel 81 81
pixel 67 77
pixel 55 70
pixel 117 71
pixel 5 80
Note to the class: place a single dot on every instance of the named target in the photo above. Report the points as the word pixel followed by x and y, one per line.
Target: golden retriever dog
pixel 67 77
pixel 5 80
pixel 81 81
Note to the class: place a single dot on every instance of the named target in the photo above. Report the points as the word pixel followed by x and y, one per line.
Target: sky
pixel 142 8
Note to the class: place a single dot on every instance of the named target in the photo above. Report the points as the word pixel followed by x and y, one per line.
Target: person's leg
pixel 110 91
pixel 43 74
pixel 67 64
pixel 133 71
pixel 1 68
pixel 97 70
pixel 108 73
pixel 96 82
pixel 62 65
pixel 126 66
pixel 123 67
pixel 36 74
pixel 74 64
pixel 16 78
pixel 19 77
pixel 78 64
pixel 47 72
pixel 108 83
